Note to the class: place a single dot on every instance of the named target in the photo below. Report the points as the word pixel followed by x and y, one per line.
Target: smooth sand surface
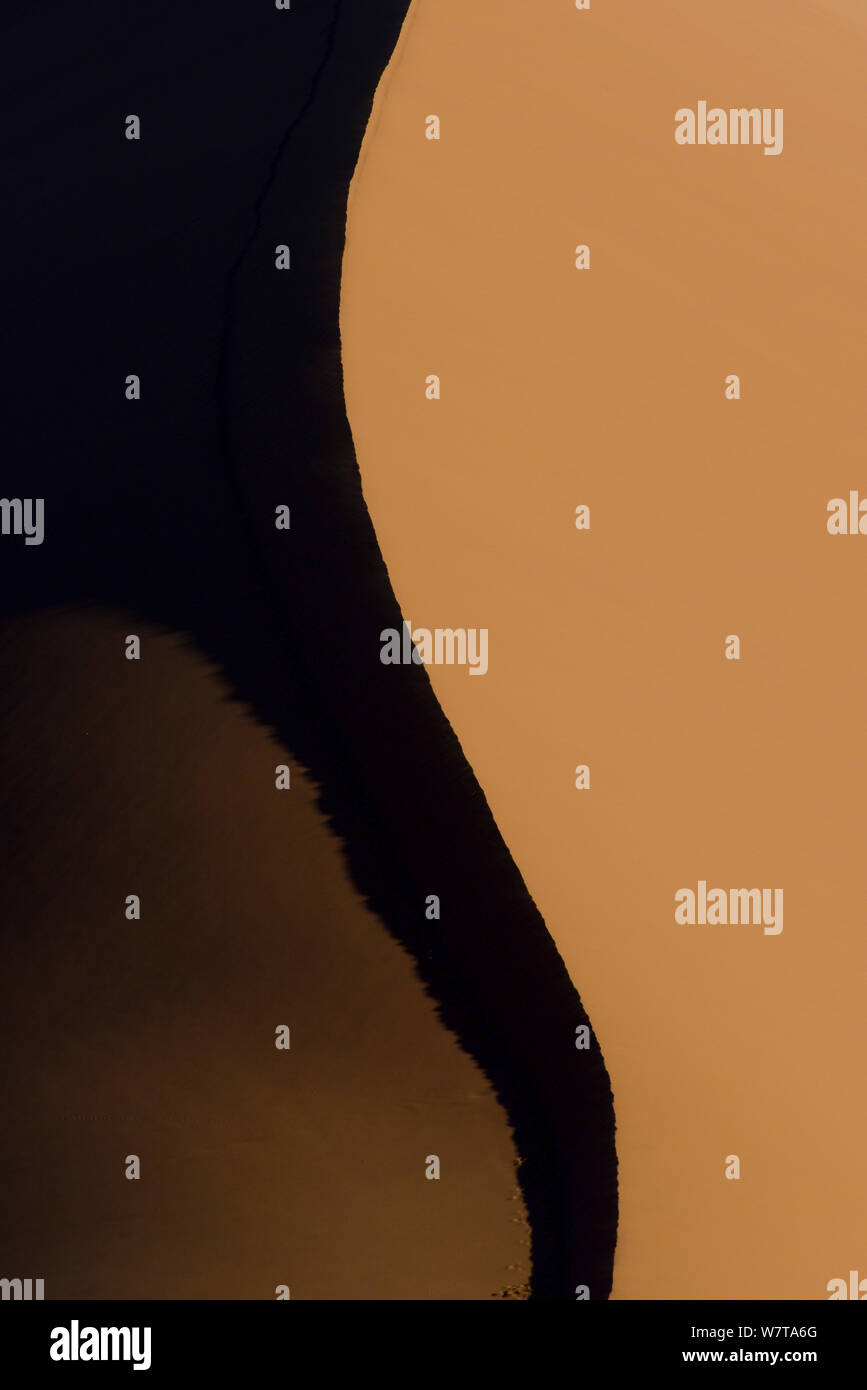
pixel 606 388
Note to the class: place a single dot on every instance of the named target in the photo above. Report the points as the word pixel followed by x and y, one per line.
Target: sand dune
pixel 606 388
pixel 156 1037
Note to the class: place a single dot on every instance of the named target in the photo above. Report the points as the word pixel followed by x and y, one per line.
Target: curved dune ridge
pixel 215 281
pixel 605 387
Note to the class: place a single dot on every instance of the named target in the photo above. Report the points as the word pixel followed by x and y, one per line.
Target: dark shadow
pixel 157 258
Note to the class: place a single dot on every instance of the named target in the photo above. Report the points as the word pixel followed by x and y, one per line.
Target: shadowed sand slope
pixel 259 1167
pixel 204 261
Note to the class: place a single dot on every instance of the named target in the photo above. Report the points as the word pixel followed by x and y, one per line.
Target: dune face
pixel 190 334
pixel 154 1035
pixel 606 387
